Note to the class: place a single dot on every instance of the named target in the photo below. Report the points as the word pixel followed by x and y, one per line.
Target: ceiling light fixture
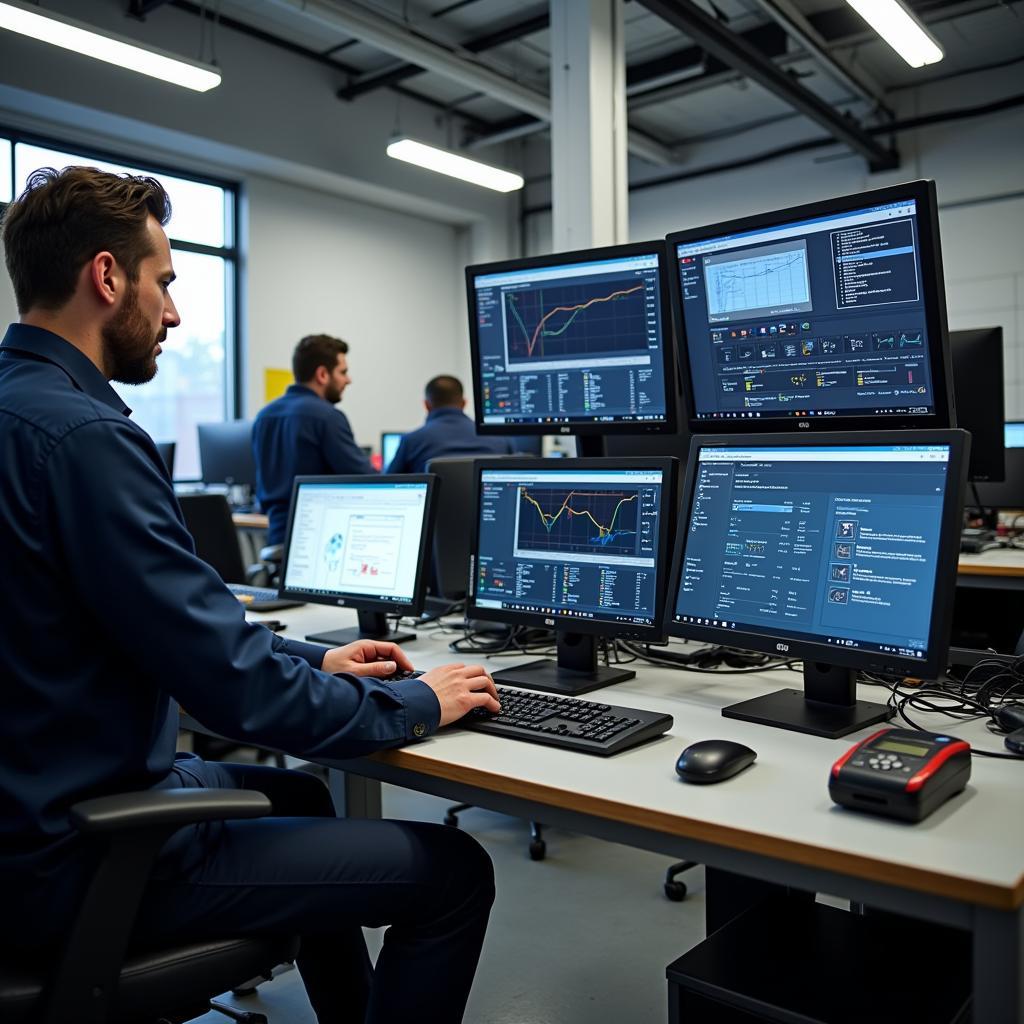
pixel 28 20
pixel 455 166
pixel 901 30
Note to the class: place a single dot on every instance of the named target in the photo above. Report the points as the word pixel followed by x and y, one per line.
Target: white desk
pixel 997 568
pixel 963 866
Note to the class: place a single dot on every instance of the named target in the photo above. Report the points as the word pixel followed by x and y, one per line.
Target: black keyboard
pixel 582 725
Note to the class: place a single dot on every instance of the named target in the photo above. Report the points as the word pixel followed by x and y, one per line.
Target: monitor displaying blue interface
pixel 571 339
pixel 838 545
pixel 829 316
pixel 360 541
pixel 1014 433
pixel 389 442
pixel 573 545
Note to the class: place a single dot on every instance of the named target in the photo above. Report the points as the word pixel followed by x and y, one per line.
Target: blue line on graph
pixel 608 538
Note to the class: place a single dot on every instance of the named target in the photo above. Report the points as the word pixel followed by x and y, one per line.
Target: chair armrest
pixel 166 809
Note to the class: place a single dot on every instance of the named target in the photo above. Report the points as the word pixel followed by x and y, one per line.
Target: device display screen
pixel 837 545
pixel 570 544
pixel 821 317
pixel 572 343
pixel 895 747
pixel 358 540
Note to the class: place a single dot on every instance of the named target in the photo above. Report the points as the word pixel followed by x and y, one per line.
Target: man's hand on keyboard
pixel 460 689
pixel 366 658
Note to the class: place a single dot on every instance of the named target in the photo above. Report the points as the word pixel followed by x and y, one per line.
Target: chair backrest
pixel 453 525
pixel 208 518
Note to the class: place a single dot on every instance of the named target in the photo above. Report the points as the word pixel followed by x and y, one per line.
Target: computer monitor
pixel 1013 435
pixel 166 451
pixel 581 549
pixel 978 391
pixel 389 442
pixel 225 453
pixel 1010 493
pixel 829 316
pixel 838 550
pixel 359 542
pixel 573 343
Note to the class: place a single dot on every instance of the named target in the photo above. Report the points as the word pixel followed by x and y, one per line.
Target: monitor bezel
pixel 669 345
pixel 930 667
pixel 933 291
pixel 359 602
pixel 565 623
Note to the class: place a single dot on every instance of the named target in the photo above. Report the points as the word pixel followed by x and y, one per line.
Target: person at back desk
pixel 448 430
pixel 302 433
pixel 113 615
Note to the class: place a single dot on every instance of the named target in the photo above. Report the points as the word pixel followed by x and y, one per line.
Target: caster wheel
pixel 537 849
pixel 675 891
pixel 451 819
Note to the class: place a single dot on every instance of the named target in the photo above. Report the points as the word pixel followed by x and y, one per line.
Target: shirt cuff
pixel 422 708
pixel 311 653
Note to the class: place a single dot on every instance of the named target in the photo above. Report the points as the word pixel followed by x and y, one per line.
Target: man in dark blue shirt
pixel 448 430
pixel 302 433
pixel 109 616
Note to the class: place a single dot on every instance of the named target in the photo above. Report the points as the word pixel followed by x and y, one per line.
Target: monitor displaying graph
pixel 570 339
pixel 817 312
pixel 356 539
pixel 574 543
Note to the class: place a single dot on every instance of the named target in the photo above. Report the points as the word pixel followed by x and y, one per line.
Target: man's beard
pixel 332 394
pixel 129 347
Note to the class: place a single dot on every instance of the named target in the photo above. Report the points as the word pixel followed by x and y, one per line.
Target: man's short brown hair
pixel 444 390
pixel 63 218
pixel 316 350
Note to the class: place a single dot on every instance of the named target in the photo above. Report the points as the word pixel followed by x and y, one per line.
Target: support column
pixel 588 124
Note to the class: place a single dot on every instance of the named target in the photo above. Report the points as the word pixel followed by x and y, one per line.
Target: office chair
pixel 94 976
pixel 208 518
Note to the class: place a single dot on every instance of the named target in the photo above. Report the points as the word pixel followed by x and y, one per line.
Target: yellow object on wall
pixel 275 383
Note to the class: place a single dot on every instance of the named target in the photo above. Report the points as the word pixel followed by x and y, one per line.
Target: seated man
pixel 109 617
pixel 448 430
pixel 302 433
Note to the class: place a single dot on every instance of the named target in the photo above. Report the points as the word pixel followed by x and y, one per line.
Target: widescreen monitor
pixel 389 442
pixel 359 542
pixel 225 453
pixel 978 391
pixel 829 316
pixel 573 343
pixel 838 550
pixel 581 549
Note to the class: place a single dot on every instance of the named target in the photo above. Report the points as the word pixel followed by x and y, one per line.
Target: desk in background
pixel 963 867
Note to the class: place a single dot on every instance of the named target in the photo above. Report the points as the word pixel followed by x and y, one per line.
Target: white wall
pixel 383 281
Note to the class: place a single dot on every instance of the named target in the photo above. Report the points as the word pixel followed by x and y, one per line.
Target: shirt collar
pixel 302 391
pixel 73 361
pixel 445 410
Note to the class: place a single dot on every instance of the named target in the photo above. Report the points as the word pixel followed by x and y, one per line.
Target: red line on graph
pixel 573 309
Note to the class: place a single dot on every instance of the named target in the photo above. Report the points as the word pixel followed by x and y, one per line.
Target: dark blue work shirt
pixel 299 434
pixel 108 614
pixel 448 431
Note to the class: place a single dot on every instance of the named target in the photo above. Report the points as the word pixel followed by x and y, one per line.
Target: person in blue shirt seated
pixel 448 430
pixel 302 433
pixel 110 618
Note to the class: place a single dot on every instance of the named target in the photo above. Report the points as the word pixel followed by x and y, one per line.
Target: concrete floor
pixel 582 937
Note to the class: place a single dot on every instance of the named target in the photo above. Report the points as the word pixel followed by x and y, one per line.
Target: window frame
pixel 234 390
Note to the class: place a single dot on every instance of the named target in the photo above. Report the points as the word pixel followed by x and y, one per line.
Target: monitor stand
pixel 372 626
pixel 575 672
pixel 827 705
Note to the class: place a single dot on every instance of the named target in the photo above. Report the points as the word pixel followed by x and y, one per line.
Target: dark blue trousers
pixel 304 871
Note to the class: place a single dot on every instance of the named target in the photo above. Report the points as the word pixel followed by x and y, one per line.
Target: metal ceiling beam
pixel 792 20
pixel 400 72
pixel 732 49
pixel 350 18
pixel 140 8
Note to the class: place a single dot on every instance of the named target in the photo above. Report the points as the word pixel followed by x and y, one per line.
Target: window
pixel 195 378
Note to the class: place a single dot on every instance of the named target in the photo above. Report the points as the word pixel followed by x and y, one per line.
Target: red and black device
pixel 900 773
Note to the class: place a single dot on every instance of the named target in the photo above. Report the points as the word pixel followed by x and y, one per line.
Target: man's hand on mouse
pixel 460 688
pixel 367 658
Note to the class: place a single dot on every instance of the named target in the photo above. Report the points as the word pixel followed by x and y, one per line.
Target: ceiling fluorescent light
pixel 901 30
pixel 28 20
pixel 455 166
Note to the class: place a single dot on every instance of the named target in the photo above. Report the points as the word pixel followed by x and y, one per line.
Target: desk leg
pixel 354 796
pixel 998 966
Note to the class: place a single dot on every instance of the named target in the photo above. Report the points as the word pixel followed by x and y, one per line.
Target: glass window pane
pixel 191 380
pixel 6 190
pixel 200 212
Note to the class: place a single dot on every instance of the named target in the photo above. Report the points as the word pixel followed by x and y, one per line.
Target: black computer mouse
pixel 713 760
